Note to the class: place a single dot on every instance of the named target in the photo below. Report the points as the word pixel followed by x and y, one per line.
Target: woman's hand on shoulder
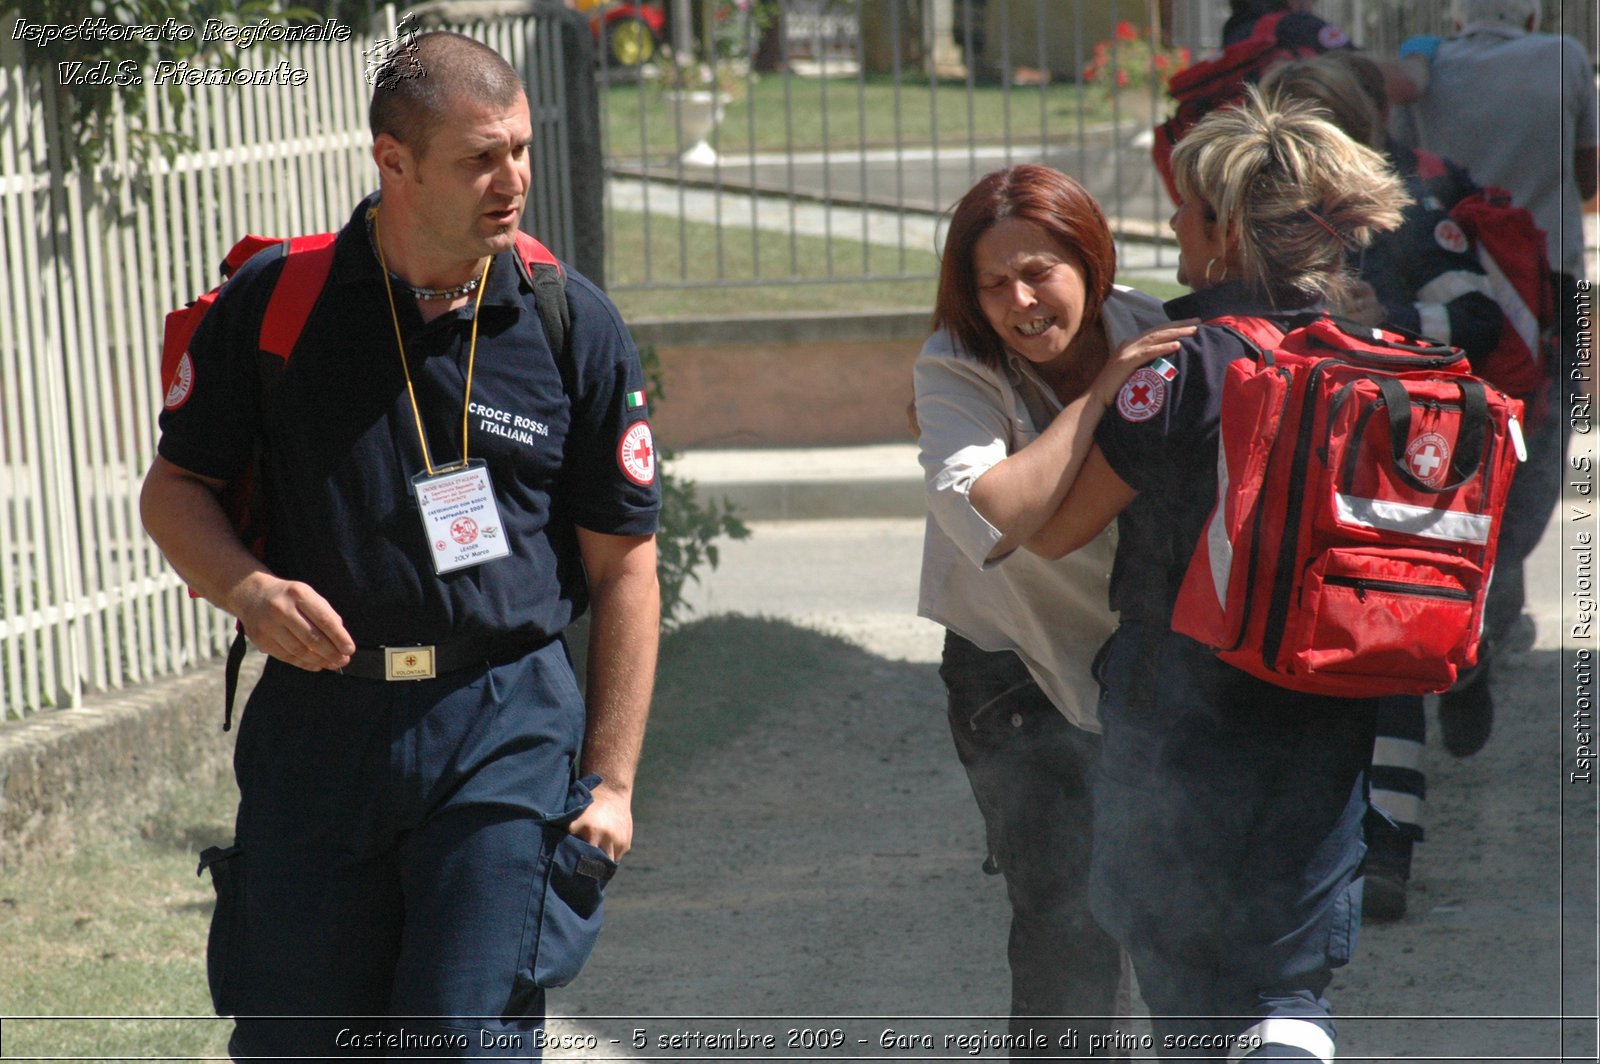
pixel 1142 349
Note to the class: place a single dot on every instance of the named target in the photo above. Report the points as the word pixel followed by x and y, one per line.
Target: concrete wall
pixel 66 771
pixel 802 380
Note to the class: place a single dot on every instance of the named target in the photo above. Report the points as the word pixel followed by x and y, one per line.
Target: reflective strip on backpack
pixel 1392 516
pixel 1284 1031
pixel 1518 314
pixel 1218 548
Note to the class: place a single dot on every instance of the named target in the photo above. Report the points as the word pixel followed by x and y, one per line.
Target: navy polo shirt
pixel 341 444
pixel 1160 437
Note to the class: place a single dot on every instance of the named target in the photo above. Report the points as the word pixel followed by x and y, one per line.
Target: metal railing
pixel 885 111
pixel 92 260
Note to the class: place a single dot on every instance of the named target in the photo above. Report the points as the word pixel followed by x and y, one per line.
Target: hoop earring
pixel 1212 261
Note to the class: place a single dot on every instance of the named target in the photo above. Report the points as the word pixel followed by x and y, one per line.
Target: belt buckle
pixel 408 663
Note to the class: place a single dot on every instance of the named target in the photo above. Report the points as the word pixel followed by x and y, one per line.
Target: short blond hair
pixel 1296 193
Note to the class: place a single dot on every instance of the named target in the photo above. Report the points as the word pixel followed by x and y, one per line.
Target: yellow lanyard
pixel 472 351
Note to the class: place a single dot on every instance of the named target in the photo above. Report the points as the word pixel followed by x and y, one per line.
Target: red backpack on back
pixel 307 262
pixel 1513 252
pixel 1215 83
pixel 1361 477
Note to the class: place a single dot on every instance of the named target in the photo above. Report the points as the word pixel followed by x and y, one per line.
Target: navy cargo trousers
pixel 402 881
pixel 1227 841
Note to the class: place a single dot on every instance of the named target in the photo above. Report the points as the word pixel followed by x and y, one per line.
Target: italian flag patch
pixel 635 400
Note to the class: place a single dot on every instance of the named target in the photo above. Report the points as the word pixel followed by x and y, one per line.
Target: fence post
pixel 587 176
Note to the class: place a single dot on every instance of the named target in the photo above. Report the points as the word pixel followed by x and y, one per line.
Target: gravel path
pixel 818 881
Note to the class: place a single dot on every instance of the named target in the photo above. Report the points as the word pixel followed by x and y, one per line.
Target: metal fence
pixel 835 167
pixel 92 259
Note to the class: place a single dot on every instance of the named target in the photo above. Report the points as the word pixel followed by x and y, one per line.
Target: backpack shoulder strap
pixel 1266 27
pixel 549 279
pixel 307 262
pixel 306 265
pixel 1259 333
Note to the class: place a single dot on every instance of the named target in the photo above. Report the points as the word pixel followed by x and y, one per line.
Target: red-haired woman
pixel 1031 342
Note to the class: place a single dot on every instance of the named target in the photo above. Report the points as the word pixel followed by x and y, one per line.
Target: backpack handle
pixel 1468 456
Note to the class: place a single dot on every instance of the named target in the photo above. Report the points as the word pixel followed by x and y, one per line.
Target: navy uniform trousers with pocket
pixel 402 881
pixel 1227 841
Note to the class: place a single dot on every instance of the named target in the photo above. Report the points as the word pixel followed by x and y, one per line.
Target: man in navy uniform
pixel 428 805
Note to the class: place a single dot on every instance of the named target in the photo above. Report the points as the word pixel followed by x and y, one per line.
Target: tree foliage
pixel 95 71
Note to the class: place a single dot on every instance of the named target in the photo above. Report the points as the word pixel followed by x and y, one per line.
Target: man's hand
pixel 608 822
pixel 286 619
pixel 291 622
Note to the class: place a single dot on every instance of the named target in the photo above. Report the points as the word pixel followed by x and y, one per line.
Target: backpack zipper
pixel 1363 584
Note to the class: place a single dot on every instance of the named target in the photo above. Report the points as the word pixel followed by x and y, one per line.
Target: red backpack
pixel 1513 252
pixel 1361 476
pixel 1215 83
pixel 307 261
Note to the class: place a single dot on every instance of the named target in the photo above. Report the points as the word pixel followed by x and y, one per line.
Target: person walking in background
pixel 1421 277
pixel 1031 342
pixel 414 839
pixel 1228 811
pixel 1517 108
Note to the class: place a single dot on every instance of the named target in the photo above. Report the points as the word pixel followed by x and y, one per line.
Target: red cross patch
pixel 1428 457
pixel 1331 37
pixel 636 454
pixel 182 383
pixel 1143 396
pixel 1450 236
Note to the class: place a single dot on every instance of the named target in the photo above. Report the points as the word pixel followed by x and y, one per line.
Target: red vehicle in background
pixel 630 33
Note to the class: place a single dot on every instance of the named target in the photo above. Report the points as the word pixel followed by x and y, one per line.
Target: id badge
pixel 460 517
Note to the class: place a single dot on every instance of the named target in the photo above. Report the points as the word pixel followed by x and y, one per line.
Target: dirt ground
pixel 816 881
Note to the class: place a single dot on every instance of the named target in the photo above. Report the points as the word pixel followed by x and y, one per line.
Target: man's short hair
pixel 1508 12
pixel 413 91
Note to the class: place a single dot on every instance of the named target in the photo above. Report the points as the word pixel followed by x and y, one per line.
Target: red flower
pixel 1122 79
pixel 1127 31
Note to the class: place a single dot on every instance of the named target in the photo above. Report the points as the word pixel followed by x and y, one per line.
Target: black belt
pixel 426 661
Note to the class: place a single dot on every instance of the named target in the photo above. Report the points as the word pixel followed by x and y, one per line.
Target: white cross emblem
pixel 1425 461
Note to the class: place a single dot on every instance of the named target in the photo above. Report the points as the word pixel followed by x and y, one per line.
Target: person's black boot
pixel 1387 871
pixel 1466 714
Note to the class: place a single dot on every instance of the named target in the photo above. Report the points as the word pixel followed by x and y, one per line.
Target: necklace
pixel 419 293
pixel 429 295
pixel 400 344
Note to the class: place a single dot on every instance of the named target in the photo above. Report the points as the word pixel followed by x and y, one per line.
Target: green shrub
pixel 689 527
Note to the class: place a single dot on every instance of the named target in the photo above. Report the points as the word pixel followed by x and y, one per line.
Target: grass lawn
pixel 779 113
pixel 118 928
pixel 701 255
pixel 704 265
